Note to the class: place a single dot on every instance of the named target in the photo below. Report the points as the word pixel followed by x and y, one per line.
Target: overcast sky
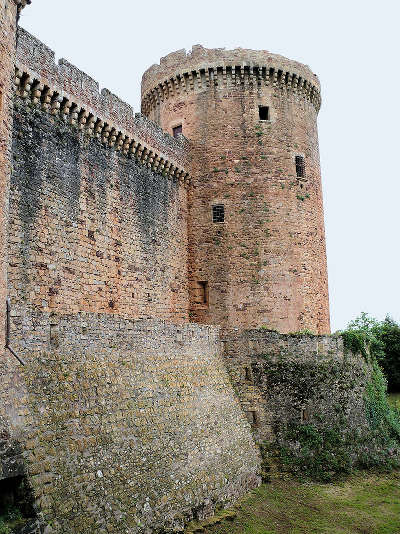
pixel 354 48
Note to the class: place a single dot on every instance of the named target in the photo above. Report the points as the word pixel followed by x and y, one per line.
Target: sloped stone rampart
pixel 128 426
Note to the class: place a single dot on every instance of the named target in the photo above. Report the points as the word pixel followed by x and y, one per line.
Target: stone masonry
pixel 8 24
pixel 129 425
pixel 143 269
pixel 284 379
pixel 265 264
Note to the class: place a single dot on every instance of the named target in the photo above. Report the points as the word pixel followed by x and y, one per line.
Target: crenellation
pixel 76 97
pixel 241 63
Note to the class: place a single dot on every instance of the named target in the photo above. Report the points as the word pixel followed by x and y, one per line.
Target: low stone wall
pixel 126 426
pixel 294 379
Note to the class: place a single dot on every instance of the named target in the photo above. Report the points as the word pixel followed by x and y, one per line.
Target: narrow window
pixel 204 292
pixel 1 101
pixel 252 417
pixel 177 130
pixel 263 112
pixel 300 167
pixel 218 213
pixel 305 415
pixel 247 373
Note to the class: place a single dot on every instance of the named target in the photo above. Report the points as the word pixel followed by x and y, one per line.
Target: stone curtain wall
pixel 64 91
pixel 129 426
pixel 266 264
pixel 8 22
pixel 91 229
pixel 294 379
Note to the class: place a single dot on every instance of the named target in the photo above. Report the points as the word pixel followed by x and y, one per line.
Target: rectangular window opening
pixel 300 166
pixel 204 292
pixel 176 130
pixel 252 417
pixel 263 112
pixel 305 415
pixel 218 213
pixel 247 373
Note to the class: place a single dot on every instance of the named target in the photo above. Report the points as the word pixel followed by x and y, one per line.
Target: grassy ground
pixel 362 504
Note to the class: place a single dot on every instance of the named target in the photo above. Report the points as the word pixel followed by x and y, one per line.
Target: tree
pixel 389 334
pixel 381 340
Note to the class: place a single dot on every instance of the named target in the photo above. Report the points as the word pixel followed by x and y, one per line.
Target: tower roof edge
pixel 199 57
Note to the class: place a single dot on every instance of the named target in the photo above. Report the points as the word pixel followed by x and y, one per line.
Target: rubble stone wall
pixel 294 379
pixel 127 425
pixel 8 23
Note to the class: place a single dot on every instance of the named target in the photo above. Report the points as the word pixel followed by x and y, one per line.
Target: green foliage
pixel 360 337
pixel 382 416
pixel 10 519
pixel 389 335
pixel 378 340
pixel 304 332
pixel 322 453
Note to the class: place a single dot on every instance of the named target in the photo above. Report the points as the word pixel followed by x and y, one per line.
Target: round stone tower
pixel 256 225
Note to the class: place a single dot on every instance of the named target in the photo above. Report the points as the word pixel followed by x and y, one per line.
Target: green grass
pixel 364 503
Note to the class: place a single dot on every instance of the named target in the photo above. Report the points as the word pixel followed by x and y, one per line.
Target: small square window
pixel 263 112
pixel 218 213
pixel 300 166
pixel 176 130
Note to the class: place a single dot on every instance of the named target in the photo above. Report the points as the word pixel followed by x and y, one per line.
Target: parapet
pixel 65 91
pixel 202 67
pixel 298 345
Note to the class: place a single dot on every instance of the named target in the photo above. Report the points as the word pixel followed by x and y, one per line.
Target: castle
pixel 154 266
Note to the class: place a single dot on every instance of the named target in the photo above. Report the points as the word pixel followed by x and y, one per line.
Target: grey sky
pixel 352 45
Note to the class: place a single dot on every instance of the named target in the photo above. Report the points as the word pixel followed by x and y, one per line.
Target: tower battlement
pixel 201 68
